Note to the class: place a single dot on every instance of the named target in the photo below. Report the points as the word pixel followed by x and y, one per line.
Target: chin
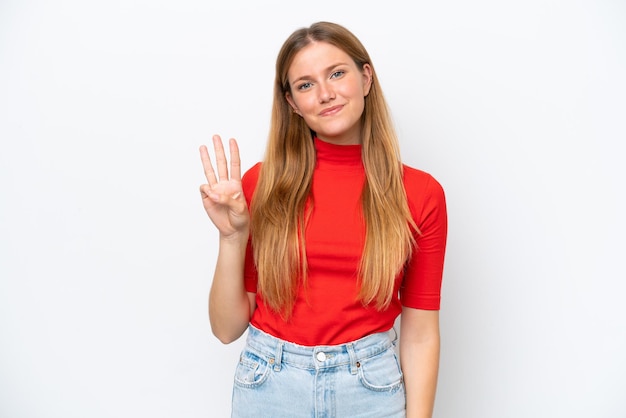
pixel 336 133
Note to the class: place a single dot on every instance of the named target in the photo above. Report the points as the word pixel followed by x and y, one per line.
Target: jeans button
pixel 321 356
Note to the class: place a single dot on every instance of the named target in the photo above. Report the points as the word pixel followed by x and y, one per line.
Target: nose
pixel 326 93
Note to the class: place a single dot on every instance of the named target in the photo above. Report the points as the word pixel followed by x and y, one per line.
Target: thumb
pixel 207 193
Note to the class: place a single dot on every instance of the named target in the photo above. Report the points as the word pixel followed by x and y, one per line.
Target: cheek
pixel 355 92
pixel 306 104
pixel 359 103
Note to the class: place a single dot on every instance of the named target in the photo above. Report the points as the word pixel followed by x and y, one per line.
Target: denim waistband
pixel 319 357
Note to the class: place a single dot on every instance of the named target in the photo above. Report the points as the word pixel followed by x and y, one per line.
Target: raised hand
pixel 222 195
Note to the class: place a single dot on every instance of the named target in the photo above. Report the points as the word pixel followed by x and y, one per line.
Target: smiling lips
pixel 331 110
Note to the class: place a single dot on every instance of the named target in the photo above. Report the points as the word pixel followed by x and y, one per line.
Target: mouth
pixel 331 110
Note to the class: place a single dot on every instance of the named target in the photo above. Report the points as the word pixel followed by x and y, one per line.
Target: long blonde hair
pixel 279 205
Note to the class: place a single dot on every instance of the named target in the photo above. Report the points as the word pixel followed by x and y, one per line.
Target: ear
pixel 291 102
pixel 368 78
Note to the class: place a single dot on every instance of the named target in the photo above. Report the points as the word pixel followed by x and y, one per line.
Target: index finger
pixel 235 161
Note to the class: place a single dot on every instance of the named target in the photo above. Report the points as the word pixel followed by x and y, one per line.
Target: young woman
pixel 324 243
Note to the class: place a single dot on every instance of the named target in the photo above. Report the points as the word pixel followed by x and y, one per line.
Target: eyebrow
pixel 327 69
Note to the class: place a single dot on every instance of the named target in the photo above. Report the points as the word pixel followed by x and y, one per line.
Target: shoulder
pixel 249 180
pixel 420 182
pixel 425 194
pixel 252 174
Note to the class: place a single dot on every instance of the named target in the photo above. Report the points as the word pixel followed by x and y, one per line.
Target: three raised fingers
pixel 221 162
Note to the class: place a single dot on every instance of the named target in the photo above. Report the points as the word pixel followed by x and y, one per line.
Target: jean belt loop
pixel 279 356
pixel 353 360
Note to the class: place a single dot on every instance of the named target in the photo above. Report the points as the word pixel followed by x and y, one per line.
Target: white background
pixel 106 255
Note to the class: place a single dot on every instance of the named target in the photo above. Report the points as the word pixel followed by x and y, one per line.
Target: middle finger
pixel 220 158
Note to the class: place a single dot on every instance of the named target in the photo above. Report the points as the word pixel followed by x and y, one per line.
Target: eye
pixel 337 74
pixel 304 86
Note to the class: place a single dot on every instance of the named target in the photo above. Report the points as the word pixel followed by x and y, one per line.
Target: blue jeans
pixel 276 378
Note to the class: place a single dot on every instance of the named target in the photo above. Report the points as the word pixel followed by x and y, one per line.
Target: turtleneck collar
pixel 332 155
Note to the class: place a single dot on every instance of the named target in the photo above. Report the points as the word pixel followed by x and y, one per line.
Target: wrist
pixel 238 238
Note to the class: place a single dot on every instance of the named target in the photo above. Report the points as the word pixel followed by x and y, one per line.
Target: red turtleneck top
pixel 328 312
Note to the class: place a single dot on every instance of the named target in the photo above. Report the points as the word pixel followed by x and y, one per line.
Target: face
pixel 328 90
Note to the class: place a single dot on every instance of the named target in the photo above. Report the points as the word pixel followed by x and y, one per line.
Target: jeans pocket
pixel 381 373
pixel 252 369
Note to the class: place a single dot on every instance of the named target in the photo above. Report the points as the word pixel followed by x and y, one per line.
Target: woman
pixel 324 244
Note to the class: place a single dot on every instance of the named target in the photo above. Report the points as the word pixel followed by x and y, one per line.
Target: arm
pixel 419 321
pixel 419 358
pixel 230 306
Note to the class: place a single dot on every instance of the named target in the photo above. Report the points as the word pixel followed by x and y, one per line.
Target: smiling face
pixel 328 90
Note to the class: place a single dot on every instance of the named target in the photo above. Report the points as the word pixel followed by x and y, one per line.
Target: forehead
pixel 317 57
